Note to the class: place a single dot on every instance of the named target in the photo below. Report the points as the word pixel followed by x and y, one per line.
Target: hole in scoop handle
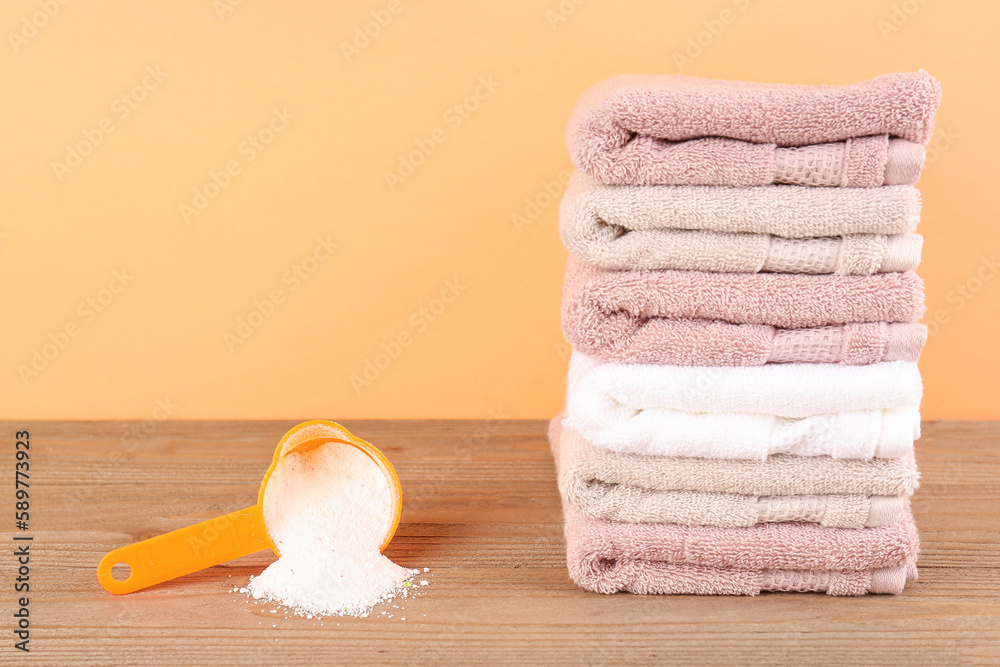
pixel 186 550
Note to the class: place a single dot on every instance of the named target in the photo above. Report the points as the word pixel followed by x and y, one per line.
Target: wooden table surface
pixel 481 510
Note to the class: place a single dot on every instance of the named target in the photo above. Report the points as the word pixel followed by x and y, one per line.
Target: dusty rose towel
pixel 780 228
pixel 696 318
pixel 602 484
pixel 608 557
pixel 677 130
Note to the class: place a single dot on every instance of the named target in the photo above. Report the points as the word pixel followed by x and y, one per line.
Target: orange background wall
pixel 277 138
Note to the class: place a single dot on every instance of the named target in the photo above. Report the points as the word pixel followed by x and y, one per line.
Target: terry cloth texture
pixel 780 210
pixel 608 557
pixel 746 412
pixel 622 487
pixel 777 475
pixel 701 318
pixel 677 130
pixel 713 343
pixel 780 229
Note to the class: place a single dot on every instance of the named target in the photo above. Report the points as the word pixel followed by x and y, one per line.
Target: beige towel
pixel 779 229
pixel 844 493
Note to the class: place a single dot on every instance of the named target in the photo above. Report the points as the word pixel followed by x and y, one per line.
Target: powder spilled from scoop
pixel 328 511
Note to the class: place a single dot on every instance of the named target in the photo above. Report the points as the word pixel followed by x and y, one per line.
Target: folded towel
pixel 708 343
pixel 861 162
pixel 746 412
pixel 775 299
pixel 779 228
pixel 677 130
pixel 733 319
pixel 777 475
pixel 607 557
pixel 648 489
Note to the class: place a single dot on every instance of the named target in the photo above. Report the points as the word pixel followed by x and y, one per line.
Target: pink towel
pixel 677 130
pixel 693 318
pixel 608 557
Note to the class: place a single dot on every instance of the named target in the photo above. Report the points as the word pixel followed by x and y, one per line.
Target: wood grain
pixel 481 510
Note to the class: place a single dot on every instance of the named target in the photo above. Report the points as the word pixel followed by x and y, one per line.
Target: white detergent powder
pixel 328 512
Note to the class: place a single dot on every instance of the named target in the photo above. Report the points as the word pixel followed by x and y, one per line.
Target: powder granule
pixel 328 511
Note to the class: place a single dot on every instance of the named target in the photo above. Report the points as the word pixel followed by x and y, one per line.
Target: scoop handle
pixel 186 550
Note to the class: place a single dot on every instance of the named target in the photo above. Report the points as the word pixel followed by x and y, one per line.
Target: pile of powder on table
pixel 328 511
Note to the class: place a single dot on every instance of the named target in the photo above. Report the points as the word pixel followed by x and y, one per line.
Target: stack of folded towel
pixel 743 395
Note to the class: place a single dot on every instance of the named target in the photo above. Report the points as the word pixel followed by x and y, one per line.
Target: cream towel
pixel 648 489
pixel 782 229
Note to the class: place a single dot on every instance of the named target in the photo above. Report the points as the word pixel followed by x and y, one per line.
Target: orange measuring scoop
pixel 239 533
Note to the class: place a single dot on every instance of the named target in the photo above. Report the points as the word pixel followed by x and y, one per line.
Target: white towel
pixel 746 412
